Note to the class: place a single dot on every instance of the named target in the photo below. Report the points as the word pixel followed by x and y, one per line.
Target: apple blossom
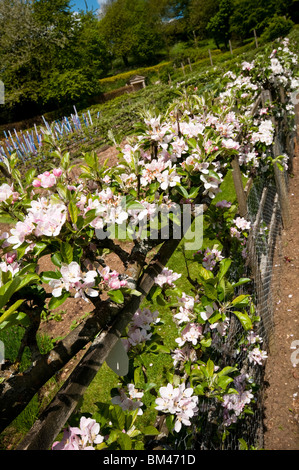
pixel 166 278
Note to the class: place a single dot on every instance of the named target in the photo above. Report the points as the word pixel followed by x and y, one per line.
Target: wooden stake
pixel 211 58
pixel 195 38
pixel 241 195
pixel 255 37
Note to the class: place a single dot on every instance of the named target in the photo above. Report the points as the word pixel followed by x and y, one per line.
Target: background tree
pixel 255 14
pixel 132 28
pixel 49 56
pixel 200 13
pixel 219 25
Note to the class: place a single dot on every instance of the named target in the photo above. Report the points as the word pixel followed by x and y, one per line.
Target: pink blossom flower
pixel 166 277
pixel 129 403
pixel 84 437
pixel 88 431
pixel 242 223
pixel 73 278
pixel 223 204
pixel 191 333
pixel 47 180
pixel 112 278
pixel 69 441
pixel 57 172
pixel 6 192
pixel 144 318
pixel 230 144
pixel 36 183
pixel 138 336
pixel 257 356
pixel 187 353
pixel 19 234
pixel 178 401
pixel 235 233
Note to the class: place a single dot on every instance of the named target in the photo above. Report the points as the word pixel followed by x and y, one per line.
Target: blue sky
pixel 80 4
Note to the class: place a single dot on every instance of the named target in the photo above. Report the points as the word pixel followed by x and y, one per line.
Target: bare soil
pixel 282 374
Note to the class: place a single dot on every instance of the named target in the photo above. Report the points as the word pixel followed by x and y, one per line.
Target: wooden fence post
pixel 211 60
pixel 280 175
pixel 282 190
pixel 255 38
pixel 195 39
pixel 241 195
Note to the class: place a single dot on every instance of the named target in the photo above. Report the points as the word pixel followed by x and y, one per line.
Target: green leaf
pixel 193 192
pixel 73 211
pixel 30 267
pixel 11 310
pixel 65 161
pixel 243 444
pixel 29 176
pixel 22 249
pixel 244 320
pixel 241 300
pixel 224 381
pixel 199 390
pixel 182 191
pixel 210 291
pixel 206 342
pixel 66 252
pixel 113 436
pixel 16 318
pixel 14 285
pixel 124 441
pixel 224 266
pixel 241 281
pixel 135 292
pixel 137 374
pixel 57 301
pixel 134 205
pixel 154 292
pixel 47 276
pixel 192 142
pixel 89 217
pixel 150 431
pixel 39 248
pixel 210 368
pixel 90 160
pixel 161 301
pixel 227 370
pixel 205 274
pixel 28 279
pixel 57 259
pixel 118 418
pixel 116 296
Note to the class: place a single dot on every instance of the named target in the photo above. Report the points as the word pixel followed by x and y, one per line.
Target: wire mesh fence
pixel 265 205
pixel 264 214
